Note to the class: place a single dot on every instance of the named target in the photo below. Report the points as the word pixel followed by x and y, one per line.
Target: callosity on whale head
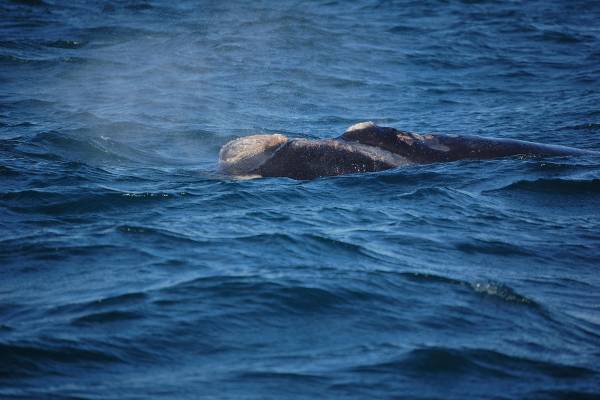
pixel 361 126
pixel 245 155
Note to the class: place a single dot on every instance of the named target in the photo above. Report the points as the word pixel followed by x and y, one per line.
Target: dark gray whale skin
pixel 309 159
pixel 429 148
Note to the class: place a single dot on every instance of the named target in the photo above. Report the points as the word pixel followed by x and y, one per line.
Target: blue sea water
pixel 130 269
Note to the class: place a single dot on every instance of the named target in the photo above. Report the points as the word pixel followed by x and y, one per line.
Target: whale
pixel 367 147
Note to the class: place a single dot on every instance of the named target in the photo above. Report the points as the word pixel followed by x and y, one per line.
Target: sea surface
pixel 131 269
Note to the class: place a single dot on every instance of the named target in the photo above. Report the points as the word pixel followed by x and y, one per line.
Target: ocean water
pixel 130 269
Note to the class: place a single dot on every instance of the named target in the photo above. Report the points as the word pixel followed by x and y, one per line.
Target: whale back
pixel 427 148
pixel 390 139
pixel 309 159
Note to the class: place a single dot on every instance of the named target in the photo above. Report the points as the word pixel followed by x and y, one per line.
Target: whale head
pixel 245 155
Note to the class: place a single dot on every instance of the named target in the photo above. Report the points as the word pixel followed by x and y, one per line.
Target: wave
pixel 90 149
pixel 493 246
pixel 29 358
pixel 502 292
pixel 31 104
pixel 431 278
pixel 564 37
pixel 563 167
pixel 481 363
pixel 402 29
pixel 491 289
pixel 118 143
pixel 407 176
pixel 160 234
pixel 73 202
pixel 43 251
pixel 554 185
pixel 564 394
pixel 267 298
pixel 106 35
pixel 320 241
pixel 107 317
pixel 96 305
pixel 33 3
pixel 587 126
pixel 8 172
pixel 66 44
pixel 438 194
pixel 99 310
pixel 57 62
pixel 279 377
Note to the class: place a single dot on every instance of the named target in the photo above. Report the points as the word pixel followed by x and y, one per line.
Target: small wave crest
pixel 502 292
pixel 492 246
pixel 480 363
pixel 492 289
pixel 555 185
pixel 90 149
pixel 107 317
pixel 275 298
pixel 28 359
pixel 68 202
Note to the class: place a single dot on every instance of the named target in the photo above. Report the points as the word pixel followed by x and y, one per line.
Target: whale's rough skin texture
pixel 366 147
pixel 309 159
pixel 428 148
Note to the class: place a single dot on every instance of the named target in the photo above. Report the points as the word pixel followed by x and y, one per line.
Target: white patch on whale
pixel 248 153
pixel 361 125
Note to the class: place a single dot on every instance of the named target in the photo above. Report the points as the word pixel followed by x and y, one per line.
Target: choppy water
pixel 131 270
